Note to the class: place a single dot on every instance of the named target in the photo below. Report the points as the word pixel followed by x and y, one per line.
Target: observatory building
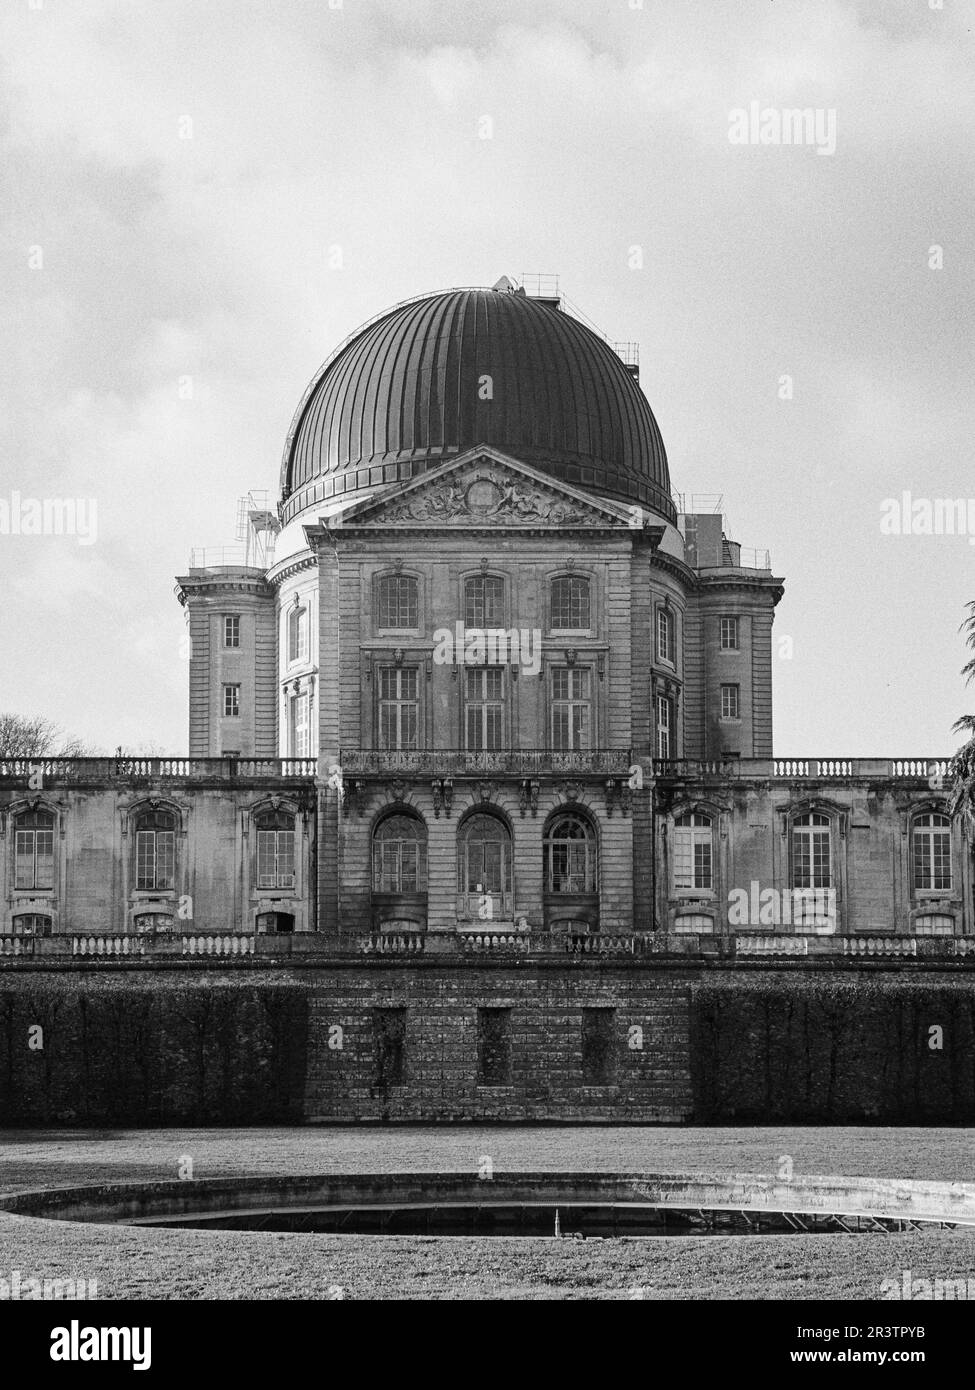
pixel 480 783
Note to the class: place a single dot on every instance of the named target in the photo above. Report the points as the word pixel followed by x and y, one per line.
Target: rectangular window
pixel 662 710
pixel 396 866
pixel 155 859
pixel 300 726
pixel 731 702
pixel 693 859
pixel 598 1047
pixel 494 1047
pixel 34 859
pixel 399 706
pixel 397 603
pixel 810 857
pixel 484 707
pixel 729 634
pixel 665 636
pixel 231 630
pixel 484 602
pixel 570 604
pixel 298 635
pixel 571 707
pixel 231 701
pixel 275 859
pixel 932 859
pixel 389 1044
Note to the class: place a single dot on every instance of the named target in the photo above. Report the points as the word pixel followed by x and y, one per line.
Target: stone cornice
pixel 211 583
pixel 277 574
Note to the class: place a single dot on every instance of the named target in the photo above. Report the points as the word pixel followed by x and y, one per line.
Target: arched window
pixel 155 850
pixel 484 601
pixel 34 850
pixel 932 853
pixel 570 608
pixel 693 854
pixel 570 856
pixel 275 849
pixel 298 634
pixel 484 866
pixel 397 605
pixel 810 851
pixel 399 855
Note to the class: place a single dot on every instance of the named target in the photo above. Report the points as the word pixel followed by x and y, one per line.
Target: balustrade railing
pixel 502 942
pixel 934 771
pixel 449 762
pixel 67 771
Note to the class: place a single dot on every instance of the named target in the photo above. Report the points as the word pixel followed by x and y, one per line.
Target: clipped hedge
pixel 173 1053
pixel 833 1052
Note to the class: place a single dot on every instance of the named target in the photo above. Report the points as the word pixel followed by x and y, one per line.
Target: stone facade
pixel 480 770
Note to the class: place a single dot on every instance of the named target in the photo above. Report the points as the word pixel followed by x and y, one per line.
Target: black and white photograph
pixel 487 673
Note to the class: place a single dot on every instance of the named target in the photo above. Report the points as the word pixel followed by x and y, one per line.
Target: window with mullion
pixel 399 856
pixel 484 707
pixel 399 707
pixel 571 708
pixel 932 854
pixel 298 635
pixel 811 852
pixel 663 719
pixel 570 604
pixel 665 635
pixel 34 851
pixel 398 606
pixel 275 858
pixel 484 601
pixel 729 634
pixel 693 854
pixel 300 726
pixel 570 857
pixel 155 859
pixel 484 862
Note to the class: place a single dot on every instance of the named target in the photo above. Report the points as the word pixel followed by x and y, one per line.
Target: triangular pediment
pixel 484 488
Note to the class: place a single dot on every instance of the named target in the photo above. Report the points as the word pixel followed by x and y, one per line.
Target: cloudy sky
pixel 200 201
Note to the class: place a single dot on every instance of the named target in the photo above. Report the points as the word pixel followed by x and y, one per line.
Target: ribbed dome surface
pixel 409 391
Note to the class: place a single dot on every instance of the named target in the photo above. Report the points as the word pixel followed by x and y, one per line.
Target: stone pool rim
pixel 142 1202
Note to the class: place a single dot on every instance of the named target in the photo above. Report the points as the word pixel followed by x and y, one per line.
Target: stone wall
pixel 674 1041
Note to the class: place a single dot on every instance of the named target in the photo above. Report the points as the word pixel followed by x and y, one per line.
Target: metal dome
pixel 410 390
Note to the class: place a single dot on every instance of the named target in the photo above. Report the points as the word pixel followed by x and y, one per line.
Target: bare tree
pixel 36 737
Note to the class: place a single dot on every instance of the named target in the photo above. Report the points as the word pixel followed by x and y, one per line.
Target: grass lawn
pixel 129 1262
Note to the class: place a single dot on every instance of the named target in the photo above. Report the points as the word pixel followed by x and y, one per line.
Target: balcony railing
pixel 459 762
pixel 511 762
pixel 68 771
pixel 501 942
pixel 804 769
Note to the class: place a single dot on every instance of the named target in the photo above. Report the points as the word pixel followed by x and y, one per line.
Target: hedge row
pixel 189 1054
pixel 834 1052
